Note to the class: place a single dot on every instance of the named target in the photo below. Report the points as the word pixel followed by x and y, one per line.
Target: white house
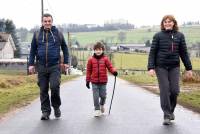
pixel 7 46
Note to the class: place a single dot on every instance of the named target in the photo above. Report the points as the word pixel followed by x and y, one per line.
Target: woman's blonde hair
pixel 172 18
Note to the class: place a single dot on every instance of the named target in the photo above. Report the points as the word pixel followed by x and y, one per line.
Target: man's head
pixel 47 21
pixel 98 48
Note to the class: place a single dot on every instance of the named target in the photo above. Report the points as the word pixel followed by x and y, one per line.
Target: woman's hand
pixel 151 72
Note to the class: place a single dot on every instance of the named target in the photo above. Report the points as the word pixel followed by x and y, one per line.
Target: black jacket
pixel 166 48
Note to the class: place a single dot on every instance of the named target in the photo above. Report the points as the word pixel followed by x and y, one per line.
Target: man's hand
pixel 151 72
pixel 66 66
pixel 88 84
pixel 31 70
pixel 189 74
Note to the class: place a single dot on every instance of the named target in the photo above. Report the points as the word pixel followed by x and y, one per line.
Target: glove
pixel 88 84
pixel 115 73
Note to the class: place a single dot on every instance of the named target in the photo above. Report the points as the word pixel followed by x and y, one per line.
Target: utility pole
pixel 42 8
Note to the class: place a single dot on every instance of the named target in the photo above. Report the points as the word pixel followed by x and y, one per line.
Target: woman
pixel 167 46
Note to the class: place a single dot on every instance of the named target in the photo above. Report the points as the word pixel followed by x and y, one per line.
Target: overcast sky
pixel 27 13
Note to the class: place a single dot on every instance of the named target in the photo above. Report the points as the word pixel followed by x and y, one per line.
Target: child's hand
pixel 115 73
pixel 88 84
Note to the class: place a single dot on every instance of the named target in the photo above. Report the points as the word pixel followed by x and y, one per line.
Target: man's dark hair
pixel 99 45
pixel 47 15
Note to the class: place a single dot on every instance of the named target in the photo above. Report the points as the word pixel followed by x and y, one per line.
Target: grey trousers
pixel 49 77
pixel 168 80
pixel 99 92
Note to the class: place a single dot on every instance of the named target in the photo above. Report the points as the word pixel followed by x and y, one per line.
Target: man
pixel 45 46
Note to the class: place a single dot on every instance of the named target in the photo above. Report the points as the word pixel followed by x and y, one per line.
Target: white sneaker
pixel 97 113
pixel 102 108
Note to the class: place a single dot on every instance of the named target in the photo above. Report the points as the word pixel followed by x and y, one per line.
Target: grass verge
pixel 17 90
pixel 189 96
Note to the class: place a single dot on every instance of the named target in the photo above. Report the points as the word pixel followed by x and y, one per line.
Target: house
pixel 25 49
pixel 130 47
pixel 7 46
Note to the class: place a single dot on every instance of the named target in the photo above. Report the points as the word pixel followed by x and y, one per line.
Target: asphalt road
pixel 134 111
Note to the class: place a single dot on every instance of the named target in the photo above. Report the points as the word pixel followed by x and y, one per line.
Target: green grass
pixel 140 35
pixel 190 99
pixel 130 61
pixel 19 90
pixel 140 78
pixel 139 61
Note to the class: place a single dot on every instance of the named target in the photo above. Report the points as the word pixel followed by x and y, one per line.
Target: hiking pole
pixel 112 95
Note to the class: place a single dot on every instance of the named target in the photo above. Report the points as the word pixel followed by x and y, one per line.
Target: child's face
pixel 98 51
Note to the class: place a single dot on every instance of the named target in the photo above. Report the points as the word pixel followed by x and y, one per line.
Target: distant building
pixel 130 47
pixel 25 49
pixel 7 46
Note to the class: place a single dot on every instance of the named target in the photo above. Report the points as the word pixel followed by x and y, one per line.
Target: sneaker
pixel 102 108
pixel 97 113
pixel 172 117
pixel 166 121
pixel 45 116
pixel 57 112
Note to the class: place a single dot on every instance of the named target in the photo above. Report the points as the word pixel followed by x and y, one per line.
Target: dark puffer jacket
pixel 47 47
pixel 97 69
pixel 166 48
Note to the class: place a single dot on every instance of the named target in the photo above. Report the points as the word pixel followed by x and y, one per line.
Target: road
pixel 134 111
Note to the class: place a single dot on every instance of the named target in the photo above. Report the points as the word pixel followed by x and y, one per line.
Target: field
pixel 140 35
pixel 17 89
pixel 139 61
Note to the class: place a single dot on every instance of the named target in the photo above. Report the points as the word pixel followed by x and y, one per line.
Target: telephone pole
pixel 42 8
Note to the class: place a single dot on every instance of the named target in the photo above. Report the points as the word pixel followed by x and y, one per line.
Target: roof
pixel 4 37
pixel 15 60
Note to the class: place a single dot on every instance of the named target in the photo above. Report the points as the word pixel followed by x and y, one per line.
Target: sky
pixel 27 13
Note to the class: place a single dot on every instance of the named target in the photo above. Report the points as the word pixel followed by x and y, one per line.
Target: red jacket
pixel 97 69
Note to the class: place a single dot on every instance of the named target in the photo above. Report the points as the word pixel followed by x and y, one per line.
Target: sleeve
pixel 33 50
pixel 184 54
pixel 109 66
pixel 64 48
pixel 89 70
pixel 153 52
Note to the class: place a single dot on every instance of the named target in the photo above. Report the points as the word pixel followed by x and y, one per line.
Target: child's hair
pixel 99 45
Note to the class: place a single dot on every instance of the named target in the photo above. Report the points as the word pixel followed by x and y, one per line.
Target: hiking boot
pixel 166 121
pixel 97 113
pixel 45 116
pixel 172 117
pixel 102 108
pixel 57 112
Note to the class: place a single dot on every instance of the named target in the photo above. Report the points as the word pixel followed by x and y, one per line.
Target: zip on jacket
pixel 46 49
pixel 172 45
pixel 98 70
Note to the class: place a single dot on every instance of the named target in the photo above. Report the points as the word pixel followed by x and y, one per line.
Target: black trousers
pixel 168 80
pixel 49 77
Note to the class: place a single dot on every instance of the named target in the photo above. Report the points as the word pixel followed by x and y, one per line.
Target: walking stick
pixel 112 95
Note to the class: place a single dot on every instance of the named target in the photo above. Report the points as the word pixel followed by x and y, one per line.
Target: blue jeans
pixel 99 92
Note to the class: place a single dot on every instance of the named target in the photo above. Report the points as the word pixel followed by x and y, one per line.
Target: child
pixel 97 75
